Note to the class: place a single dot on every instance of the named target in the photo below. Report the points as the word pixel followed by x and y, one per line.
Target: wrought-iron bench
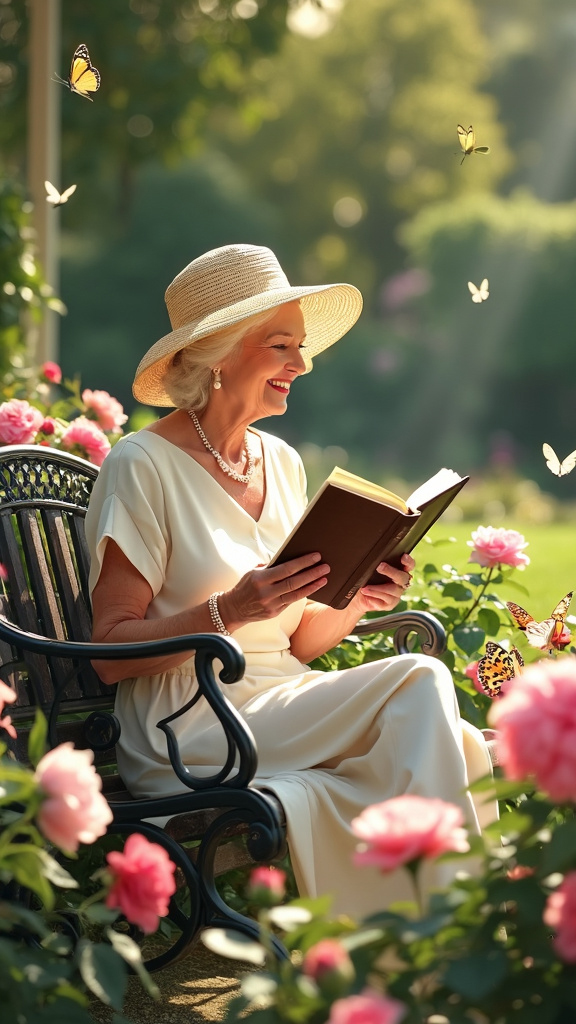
pixel 45 653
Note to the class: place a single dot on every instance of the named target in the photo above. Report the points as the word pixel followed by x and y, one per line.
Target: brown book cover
pixel 355 525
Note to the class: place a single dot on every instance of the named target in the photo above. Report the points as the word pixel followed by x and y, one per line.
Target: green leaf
pixel 26 867
pixel 469 639
pixel 489 621
pixel 514 585
pixel 234 945
pixel 558 854
pixel 103 972
pixel 132 954
pixel 287 917
pixel 58 1012
pixel 55 872
pixel 99 914
pixel 37 738
pixel 457 591
pixel 477 975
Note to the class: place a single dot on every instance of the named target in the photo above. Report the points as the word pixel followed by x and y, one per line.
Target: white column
pixel 44 154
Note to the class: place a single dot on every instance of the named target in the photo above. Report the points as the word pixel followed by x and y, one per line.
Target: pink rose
pixel 3 572
pixel 83 437
pixel 329 965
pixel 142 881
pixel 560 914
pixel 519 871
pixel 108 411
pixel 6 723
pixel 497 546
pixel 19 422
pixel 368 1007
pixel 536 723
pixel 48 427
pixel 7 696
pixel 51 372
pixel 471 671
pixel 267 885
pixel 407 827
pixel 74 810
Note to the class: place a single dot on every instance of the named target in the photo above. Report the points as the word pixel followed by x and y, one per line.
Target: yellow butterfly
pixel 467 140
pixel 548 634
pixel 56 198
pixel 481 293
pixel 554 464
pixel 84 78
pixel 498 666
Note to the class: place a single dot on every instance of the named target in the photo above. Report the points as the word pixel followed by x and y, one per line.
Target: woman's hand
pixel 383 597
pixel 263 593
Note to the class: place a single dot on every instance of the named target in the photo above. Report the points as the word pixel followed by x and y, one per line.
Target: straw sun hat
pixel 222 288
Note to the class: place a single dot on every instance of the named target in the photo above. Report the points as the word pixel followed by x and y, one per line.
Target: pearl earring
pixel 216 378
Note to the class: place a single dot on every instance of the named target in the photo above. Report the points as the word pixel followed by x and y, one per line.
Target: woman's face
pixel 270 359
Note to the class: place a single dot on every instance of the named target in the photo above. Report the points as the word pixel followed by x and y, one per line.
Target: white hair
pixel 188 378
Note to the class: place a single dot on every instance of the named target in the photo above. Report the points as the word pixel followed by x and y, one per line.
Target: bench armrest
pixel 402 624
pixel 207 648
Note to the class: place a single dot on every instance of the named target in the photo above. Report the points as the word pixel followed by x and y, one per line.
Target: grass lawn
pixel 550 575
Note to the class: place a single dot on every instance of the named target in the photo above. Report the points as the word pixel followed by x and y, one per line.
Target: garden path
pixel 194 990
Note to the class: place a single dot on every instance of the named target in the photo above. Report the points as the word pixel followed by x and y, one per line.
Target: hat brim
pixel 329 310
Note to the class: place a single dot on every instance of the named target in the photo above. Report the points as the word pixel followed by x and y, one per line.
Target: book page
pixel 350 482
pixel 438 483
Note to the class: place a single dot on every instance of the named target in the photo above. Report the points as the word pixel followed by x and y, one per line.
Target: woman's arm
pixel 322 627
pixel 122 595
pixel 119 602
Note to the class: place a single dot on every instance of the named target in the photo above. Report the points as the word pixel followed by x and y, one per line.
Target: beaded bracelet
pixel 215 614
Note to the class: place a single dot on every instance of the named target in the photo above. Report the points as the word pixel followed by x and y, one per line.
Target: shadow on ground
pixel 194 990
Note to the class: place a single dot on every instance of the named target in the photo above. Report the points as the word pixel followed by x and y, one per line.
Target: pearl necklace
pixel 241 478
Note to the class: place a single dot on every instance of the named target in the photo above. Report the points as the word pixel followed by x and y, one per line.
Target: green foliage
pixel 484 355
pixel 479 951
pixel 388 86
pixel 44 977
pixel 164 67
pixel 23 293
pixel 471 605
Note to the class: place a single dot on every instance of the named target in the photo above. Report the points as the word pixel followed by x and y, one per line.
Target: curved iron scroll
pixel 241 747
pixel 266 842
pixel 430 631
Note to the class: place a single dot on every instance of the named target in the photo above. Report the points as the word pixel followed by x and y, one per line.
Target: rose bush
pixel 45 812
pixel 498 945
pixel 44 409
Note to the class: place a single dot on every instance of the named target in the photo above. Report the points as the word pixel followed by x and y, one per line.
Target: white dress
pixel 329 744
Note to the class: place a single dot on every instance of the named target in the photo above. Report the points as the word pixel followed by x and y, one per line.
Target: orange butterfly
pixel 498 666
pixel 546 635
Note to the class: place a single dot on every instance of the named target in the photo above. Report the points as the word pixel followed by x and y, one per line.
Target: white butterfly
pixel 55 197
pixel 554 464
pixel 481 293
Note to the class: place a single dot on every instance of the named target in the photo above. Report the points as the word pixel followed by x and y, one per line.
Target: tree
pixel 164 67
pixel 368 114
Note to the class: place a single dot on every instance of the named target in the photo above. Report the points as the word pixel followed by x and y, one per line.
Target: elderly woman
pixel 184 518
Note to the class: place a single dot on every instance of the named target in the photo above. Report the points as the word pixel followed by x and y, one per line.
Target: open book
pixel 356 524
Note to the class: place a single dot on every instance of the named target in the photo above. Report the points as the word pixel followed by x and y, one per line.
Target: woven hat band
pixel 219 279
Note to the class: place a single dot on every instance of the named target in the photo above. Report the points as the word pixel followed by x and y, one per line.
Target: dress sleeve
pixel 127 505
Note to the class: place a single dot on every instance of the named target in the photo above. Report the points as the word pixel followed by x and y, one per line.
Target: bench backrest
pixel 44 495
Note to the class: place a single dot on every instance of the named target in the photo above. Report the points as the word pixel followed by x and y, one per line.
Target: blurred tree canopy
pixel 214 124
pixel 361 131
pixel 164 66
